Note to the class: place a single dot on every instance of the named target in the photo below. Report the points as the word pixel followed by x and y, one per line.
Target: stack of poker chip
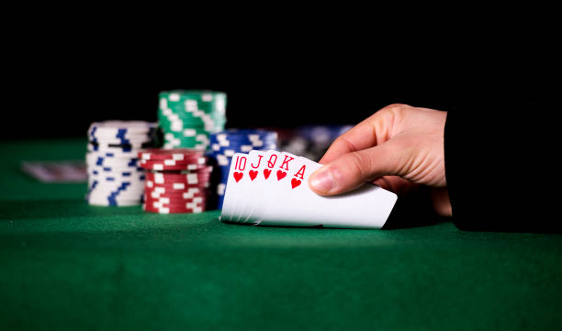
pixel 187 117
pixel 177 180
pixel 226 143
pixel 310 141
pixel 114 176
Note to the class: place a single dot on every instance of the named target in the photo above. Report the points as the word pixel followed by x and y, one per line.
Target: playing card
pixel 235 182
pixel 281 196
pixel 70 171
pixel 250 185
pixel 366 207
pixel 273 172
pixel 283 167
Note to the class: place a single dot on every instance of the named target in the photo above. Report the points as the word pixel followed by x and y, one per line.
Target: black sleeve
pixel 500 166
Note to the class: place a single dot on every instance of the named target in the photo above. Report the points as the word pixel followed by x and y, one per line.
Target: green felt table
pixel 67 265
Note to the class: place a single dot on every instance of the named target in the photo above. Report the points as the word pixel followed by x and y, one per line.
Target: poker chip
pixel 173 160
pixel 114 175
pixel 101 145
pixel 169 154
pixel 110 202
pixel 188 178
pixel 174 201
pixel 226 143
pixel 174 209
pixel 176 180
pixel 310 141
pixel 162 192
pixel 120 129
pixel 176 187
pixel 187 117
pixel 173 165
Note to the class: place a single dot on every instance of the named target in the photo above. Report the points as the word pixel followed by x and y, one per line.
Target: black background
pixel 59 75
pixel 56 83
pixel 57 90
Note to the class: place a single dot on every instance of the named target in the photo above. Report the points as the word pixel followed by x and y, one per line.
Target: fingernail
pixel 322 181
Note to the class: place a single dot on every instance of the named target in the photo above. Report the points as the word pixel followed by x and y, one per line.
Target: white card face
pixel 281 177
pixel 236 181
pixel 280 195
pixel 251 176
pixel 265 179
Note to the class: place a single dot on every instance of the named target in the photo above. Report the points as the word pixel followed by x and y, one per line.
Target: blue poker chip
pixel 245 132
pixel 228 152
pixel 239 136
pixel 237 142
pixel 322 134
pixel 220 202
pixel 218 137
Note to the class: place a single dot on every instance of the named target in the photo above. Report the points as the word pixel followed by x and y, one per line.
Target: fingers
pixel 396 184
pixel 441 202
pixel 370 132
pixel 353 169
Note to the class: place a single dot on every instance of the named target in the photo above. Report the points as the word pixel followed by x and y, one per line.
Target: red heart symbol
pixel 238 176
pixel 295 183
pixel 253 174
pixel 280 174
pixel 266 173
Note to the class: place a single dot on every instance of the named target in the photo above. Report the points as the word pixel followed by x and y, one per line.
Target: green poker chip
pixel 188 117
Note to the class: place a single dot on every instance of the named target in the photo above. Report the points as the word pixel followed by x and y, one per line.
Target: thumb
pixel 353 169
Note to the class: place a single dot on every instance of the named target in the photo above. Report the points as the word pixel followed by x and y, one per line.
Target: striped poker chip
pixel 114 176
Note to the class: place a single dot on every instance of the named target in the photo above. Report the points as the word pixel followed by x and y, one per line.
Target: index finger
pixel 370 132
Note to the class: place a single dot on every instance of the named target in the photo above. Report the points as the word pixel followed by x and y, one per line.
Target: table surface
pixel 67 265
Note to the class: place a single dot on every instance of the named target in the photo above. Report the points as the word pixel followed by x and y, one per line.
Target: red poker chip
pixel 196 201
pixel 166 162
pixel 173 204
pixel 173 210
pixel 177 198
pixel 169 154
pixel 176 190
pixel 183 172
pixel 154 166
pixel 172 162
pixel 174 194
pixel 176 186
pixel 193 182
pixel 178 176
pixel 176 207
pixel 192 179
pixel 177 194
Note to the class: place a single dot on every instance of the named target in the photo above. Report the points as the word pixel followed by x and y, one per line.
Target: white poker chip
pixel 114 126
pixel 109 202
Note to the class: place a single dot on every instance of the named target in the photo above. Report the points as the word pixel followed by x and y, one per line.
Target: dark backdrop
pixel 59 93
pixel 58 90
pixel 59 77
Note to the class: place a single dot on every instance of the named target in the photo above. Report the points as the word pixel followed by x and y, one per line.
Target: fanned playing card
pixel 271 188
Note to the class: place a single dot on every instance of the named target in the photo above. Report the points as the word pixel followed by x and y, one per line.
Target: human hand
pixel 397 148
